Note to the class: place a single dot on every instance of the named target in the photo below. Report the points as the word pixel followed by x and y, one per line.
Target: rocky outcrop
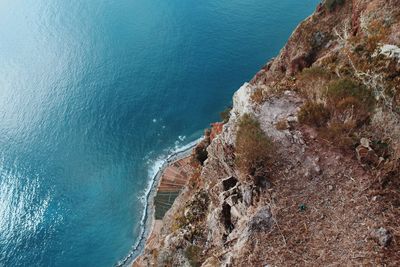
pixel 382 236
pixel 321 201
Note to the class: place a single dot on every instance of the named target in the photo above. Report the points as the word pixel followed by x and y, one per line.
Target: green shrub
pixel 343 88
pixel 312 82
pixel 332 4
pixel 314 114
pixel 346 98
pixel 253 147
pixel 348 107
pixel 316 71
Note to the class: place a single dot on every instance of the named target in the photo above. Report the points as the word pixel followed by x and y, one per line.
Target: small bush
pixel 341 135
pixel 253 147
pixel 316 71
pixel 314 114
pixel 377 33
pixel 330 5
pixel 179 222
pixel 312 82
pixel 226 114
pixel 350 101
pixel 193 254
pixel 343 88
pixel 348 107
pixel 195 211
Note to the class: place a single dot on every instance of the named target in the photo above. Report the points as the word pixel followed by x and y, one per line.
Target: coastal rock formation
pixel 329 191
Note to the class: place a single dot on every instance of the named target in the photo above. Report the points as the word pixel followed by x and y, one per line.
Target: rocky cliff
pixel 305 172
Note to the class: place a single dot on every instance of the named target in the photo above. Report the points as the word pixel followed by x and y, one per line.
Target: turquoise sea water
pixel 93 93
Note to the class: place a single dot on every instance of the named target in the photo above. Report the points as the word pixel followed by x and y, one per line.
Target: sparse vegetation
pixel 351 96
pixel 332 4
pixel 226 114
pixel 349 101
pixel 253 147
pixel 193 254
pixel 314 114
pixel 348 107
pixel 340 135
pixel 343 88
pixel 377 33
pixel 282 125
pixel 257 96
pixel 312 82
pixel 316 71
pixel 196 211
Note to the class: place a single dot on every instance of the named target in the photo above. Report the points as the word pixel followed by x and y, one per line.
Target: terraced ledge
pixel 172 181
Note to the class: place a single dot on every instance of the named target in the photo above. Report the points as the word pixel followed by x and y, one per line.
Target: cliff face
pixel 328 192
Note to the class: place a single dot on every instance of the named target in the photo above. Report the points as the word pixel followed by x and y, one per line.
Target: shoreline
pixel 148 218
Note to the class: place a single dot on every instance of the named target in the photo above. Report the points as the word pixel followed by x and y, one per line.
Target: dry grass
pixel 327 220
pixel 377 33
pixel 346 95
pixel 312 83
pixel 349 106
pixel 253 147
pixel 314 114
pixel 282 125
pixel 257 96
pixel 346 202
pixel 340 135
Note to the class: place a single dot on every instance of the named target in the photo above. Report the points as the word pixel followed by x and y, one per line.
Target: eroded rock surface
pixel 317 204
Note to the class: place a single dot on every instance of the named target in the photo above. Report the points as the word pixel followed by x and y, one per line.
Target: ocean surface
pixel 93 94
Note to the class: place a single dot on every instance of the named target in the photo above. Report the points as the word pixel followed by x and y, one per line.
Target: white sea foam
pixel 154 174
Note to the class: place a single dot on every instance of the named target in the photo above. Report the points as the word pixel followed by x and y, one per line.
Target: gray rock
pixel 236 212
pixel 382 236
pixel 232 200
pixel 292 119
pixel 247 195
pixel 365 142
pixel 261 221
pixel 317 169
pixel 319 38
